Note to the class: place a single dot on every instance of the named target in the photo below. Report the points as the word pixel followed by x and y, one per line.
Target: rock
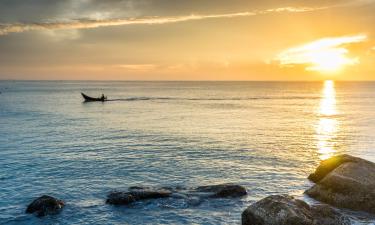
pixel 125 198
pixel 285 210
pixel 45 205
pixel 191 195
pixel 223 190
pixel 326 166
pixel 346 182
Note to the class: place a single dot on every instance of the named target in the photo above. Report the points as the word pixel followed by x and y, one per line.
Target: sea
pixel 266 136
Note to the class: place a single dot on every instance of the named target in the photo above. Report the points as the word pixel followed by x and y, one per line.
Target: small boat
pixel 91 99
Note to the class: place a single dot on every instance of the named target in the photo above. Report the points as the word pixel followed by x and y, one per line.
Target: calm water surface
pixel 267 136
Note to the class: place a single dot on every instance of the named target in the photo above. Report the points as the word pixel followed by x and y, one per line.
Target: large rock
pixel 223 190
pixel 285 210
pixel 125 198
pixel 45 205
pixel 345 181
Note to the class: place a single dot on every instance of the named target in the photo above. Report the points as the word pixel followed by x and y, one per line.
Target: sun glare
pixel 328 55
pixel 329 60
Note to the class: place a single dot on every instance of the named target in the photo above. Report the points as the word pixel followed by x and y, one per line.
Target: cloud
pixel 323 55
pixel 292 9
pixel 6 28
pixel 71 34
pixel 137 67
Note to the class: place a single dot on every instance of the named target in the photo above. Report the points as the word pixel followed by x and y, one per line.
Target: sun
pixel 329 60
pixel 327 55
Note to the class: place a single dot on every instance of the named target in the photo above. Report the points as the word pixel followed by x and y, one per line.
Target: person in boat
pixel 103 97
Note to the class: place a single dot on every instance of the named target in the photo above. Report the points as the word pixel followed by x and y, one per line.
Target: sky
pixel 187 40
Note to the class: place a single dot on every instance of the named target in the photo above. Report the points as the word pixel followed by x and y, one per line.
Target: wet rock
pixel 125 198
pixel 45 205
pixel 223 190
pixel 345 181
pixel 328 165
pixel 286 210
pixel 193 196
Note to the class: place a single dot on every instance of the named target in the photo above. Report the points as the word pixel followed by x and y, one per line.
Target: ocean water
pixel 267 136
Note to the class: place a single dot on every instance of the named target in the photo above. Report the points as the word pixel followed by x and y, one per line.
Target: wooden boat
pixel 91 99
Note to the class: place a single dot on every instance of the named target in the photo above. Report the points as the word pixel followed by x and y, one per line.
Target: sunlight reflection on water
pixel 327 126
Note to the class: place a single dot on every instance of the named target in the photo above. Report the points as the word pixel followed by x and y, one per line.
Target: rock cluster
pixel 143 193
pixel 47 205
pixel 345 182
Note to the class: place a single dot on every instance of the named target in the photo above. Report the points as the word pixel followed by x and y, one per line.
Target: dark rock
pixel 345 181
pixel 326 166
pixel 125 198
pixel 45 205
pixel 193 196
pixel 223 190
pixel 285 210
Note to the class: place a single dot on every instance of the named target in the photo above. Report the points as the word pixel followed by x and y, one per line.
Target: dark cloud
pixel 47 10
pixel 29 10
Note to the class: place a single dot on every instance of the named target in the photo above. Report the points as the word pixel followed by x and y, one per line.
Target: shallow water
pixel 267 136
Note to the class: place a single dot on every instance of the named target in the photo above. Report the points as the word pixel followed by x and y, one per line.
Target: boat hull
pixel 91 99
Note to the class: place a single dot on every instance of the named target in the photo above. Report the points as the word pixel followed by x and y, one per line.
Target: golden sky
pixel 187 40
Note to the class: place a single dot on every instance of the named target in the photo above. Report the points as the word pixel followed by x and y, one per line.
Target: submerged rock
pixel 345 181
pixel 45 205
pixel 125 198
pixel 286 210
pixel 223 190
pixel 193 196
